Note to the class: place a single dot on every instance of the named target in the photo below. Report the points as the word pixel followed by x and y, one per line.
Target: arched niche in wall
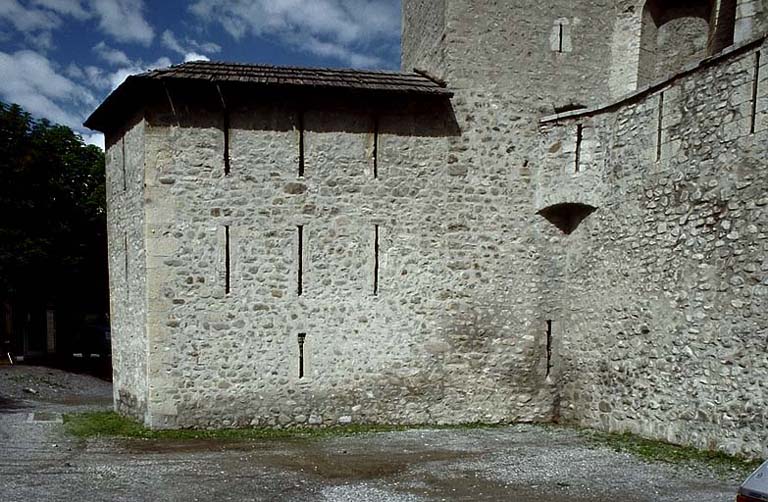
pixel 567 216
pixel 676 32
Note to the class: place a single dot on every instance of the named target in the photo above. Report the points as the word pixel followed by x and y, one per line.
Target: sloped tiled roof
pixel 267 77
pixel 302 77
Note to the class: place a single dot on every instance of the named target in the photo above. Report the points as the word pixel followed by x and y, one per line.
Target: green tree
pixel 52 215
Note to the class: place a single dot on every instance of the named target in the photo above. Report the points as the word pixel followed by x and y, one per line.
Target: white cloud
pixel 169 41
pixel 193 56
pixel 110 55
pixel 337 51
pixel 74 71
pixel 93 139
pixel 206 47
pixel 124 20
pixel 34 24
pixel 31 81
pixel 73 8
pixel 188 47
pixel 41 41
pixel 26 19
pixel 110 80
pixel 346 30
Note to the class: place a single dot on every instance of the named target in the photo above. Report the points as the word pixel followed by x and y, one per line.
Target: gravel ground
pixel 37 386
pixel 38 461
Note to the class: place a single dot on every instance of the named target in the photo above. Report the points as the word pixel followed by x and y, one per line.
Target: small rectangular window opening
pixel 579 136
pixel 125 170
pixel 300 257
pixel 560 38
pixel 375 148
pixel 549 347
pixel 659 127
pixel 376 260
pixel 301 144
pixel 755 92
pixel 226 143
pixel 302 339
pixel 227 261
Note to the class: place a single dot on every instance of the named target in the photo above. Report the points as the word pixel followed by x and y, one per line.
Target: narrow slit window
pixel 375 260
pixel 549 347
pixel 300 259
pixel 125 169
pixel 301 144
pixel 755 92
pixel 302 339
pixel 579 137
pixel 659 127
pixel 227 261
pixel 125 264
pixel 226 142
pixel 125 256
pixel 560 38
pixel 375 148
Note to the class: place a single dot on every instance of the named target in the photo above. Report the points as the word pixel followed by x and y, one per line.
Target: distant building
pixel 573 228
pixel 28 332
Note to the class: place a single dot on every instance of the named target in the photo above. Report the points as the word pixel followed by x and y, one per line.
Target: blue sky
pixel 60 58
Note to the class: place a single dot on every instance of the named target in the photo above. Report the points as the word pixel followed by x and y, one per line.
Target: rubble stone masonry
pixel 361 260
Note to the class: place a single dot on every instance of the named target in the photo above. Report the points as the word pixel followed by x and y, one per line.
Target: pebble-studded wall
pixel 355 261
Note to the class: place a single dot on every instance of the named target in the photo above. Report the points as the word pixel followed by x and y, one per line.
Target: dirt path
pixel 523 463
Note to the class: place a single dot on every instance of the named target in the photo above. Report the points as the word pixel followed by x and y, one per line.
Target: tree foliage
pixel 52 213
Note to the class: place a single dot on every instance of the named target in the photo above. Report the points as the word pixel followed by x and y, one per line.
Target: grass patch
pixel 660 451
pixel 110 424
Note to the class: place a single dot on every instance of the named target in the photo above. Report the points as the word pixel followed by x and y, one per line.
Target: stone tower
pixel 629 126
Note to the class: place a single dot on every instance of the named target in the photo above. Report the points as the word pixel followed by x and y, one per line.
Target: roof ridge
pixel 291 78
pixel 214 64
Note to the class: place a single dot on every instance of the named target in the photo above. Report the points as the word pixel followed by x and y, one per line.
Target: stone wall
pixel 635 38
pixel 751 19
pixel 541 55
pixel 431 290
pixel 423 35
pixel 672 35
pixel 451 334
pixel 127 267
pixel 665 330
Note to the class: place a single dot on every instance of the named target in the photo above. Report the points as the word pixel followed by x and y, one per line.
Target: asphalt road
pixel 39 462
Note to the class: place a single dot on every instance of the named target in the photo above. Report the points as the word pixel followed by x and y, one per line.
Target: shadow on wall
pixel 677 32
pixel 567 216
pixel 196 104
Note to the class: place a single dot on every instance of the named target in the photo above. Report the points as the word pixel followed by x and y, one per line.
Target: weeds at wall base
pixel 110 424
pixel 658 451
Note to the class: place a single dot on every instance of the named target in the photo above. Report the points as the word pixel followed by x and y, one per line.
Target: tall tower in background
pixel 541 55
pixel 665 145
pixel 560 54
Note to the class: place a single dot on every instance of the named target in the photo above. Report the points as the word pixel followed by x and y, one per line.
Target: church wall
pixel 666 328
pixel 449 335
pixel 423 35
pixel 127 268
pixel 635 39
pixel 751 19
pixel 362 261
pixel 539 55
